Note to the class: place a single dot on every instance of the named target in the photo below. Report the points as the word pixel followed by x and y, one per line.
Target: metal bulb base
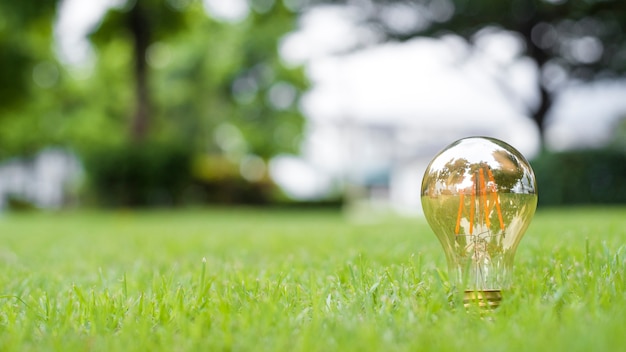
pixel 486 299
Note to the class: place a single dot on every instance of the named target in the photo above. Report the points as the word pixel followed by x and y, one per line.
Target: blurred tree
pixel 164 68
pixel 566 39
pixel 143 23
pixel 28 73
pixel 24 27
pixel 168 83
pixel 193 74
pixel 162 93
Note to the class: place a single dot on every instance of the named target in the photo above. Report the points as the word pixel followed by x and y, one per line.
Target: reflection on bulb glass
pixel 479 195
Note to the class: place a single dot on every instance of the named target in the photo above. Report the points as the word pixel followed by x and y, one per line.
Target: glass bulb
pixel 479 195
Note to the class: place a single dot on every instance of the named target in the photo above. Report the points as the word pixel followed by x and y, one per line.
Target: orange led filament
pixel 485 187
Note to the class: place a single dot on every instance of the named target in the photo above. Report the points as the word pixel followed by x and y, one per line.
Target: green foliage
pixel 193 71
pixel 159 18
pixel 218 180
pixel 618 140
pixel 183 73
pixel 581 177
pixel 24 27
pixel 163 174
pixel 236 190
pixel 201 74
pixel 550 30
pixel 151 173
pixel 30 78
pixel 299 281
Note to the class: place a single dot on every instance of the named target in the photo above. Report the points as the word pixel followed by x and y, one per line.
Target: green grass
pixel 291 280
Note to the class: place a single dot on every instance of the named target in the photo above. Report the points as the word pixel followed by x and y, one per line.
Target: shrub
pixel 150 173
pixel 217 180
pixel 581 177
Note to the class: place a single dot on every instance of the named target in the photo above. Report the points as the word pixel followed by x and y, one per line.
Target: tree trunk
pixel 541 58
pixel 540 114
pixel 140 31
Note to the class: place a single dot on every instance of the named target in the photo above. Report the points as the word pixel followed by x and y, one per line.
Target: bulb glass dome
pixel 479 195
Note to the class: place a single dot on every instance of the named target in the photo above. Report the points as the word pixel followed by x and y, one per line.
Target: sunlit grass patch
pixel 289 280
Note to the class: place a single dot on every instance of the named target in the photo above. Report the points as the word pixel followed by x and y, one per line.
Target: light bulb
pixel 479 195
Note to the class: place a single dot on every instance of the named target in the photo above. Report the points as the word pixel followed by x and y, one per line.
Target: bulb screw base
pixel 485 299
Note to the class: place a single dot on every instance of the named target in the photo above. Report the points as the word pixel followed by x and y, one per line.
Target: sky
pixel 424 84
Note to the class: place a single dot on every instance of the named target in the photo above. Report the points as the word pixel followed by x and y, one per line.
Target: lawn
pixel 268 280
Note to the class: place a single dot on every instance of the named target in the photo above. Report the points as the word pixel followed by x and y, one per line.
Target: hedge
pixel 581 177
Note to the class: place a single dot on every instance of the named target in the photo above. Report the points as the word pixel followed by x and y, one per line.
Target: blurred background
pixel 122 103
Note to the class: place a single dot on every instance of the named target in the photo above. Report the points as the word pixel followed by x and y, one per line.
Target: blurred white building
pixel 381 163
pixel 44 180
